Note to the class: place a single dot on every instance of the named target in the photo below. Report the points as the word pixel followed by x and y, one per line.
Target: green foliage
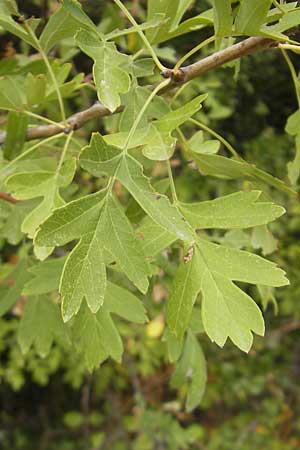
pixel 105 189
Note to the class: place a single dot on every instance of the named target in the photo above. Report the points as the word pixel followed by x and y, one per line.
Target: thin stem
pixel 43 119
pixel 160 86
pixel 51 73
pixel 216 135
pixel 192 52
pixel 30 150
pixel 293 74
pixel 172 184
pixel 64 152
pixel 141 34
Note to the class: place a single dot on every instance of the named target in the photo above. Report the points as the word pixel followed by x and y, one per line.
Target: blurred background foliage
pixel 252 401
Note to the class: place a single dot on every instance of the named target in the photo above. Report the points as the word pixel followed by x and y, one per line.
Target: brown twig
pixel 7 197
pixel 183 75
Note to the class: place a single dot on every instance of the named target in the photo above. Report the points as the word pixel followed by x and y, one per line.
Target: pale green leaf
pixel 198 145
pixel 154 238
pixel 110 78
pixel 99 158
pixel 96 336
pixel 7 22
pixel 16 130
pixel 13 285
pixel 35 89
pixel 222 17
pixel 264 239
pixel 46 276
pixel 238 210
pixel 64 23
pixel 293 123
pixel 239 265
pixel 40 324
pixel 228 311
pixel 186 286
pixel 46 184
pixel 191 369
pixel 177 117
pixel 231 169
pixel 159 146
pixel 84 275
pixel 251 16
pixel 123 303
pixel 11 95
pixel 123 245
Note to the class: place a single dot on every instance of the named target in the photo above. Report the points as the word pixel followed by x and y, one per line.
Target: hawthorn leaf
pixel 103 228
pixel 11 95
pixel 222 18
pixel 16 130
pixel 87 336
pixel 231 169
pixel 198 145
pixel 13 284
pixel 84 275
pixel 191 369
pixel 64 23
pixel 110 78
pixel 99 158
pixel 46 184
pixel 174 345
pixel 40 325
pixel 293 123
pixel 96 336
pixel 238 210
pixel 11 230
pixel 10 25
pixel 123 245
pixel 173 11
pixel 251 16
pixel 239 265
pixel 154 238
pixel 159 146
pixel 288 20
pixel 264 239
pixel 71 221
pixel 123 303
pixel 177 117
pixel 193 24
pixel 35 89
pixel 228 311
pixel 134 100
pixel 186 287
pixel 46 276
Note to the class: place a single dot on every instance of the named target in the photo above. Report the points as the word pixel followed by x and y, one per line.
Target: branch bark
pixel 184 75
